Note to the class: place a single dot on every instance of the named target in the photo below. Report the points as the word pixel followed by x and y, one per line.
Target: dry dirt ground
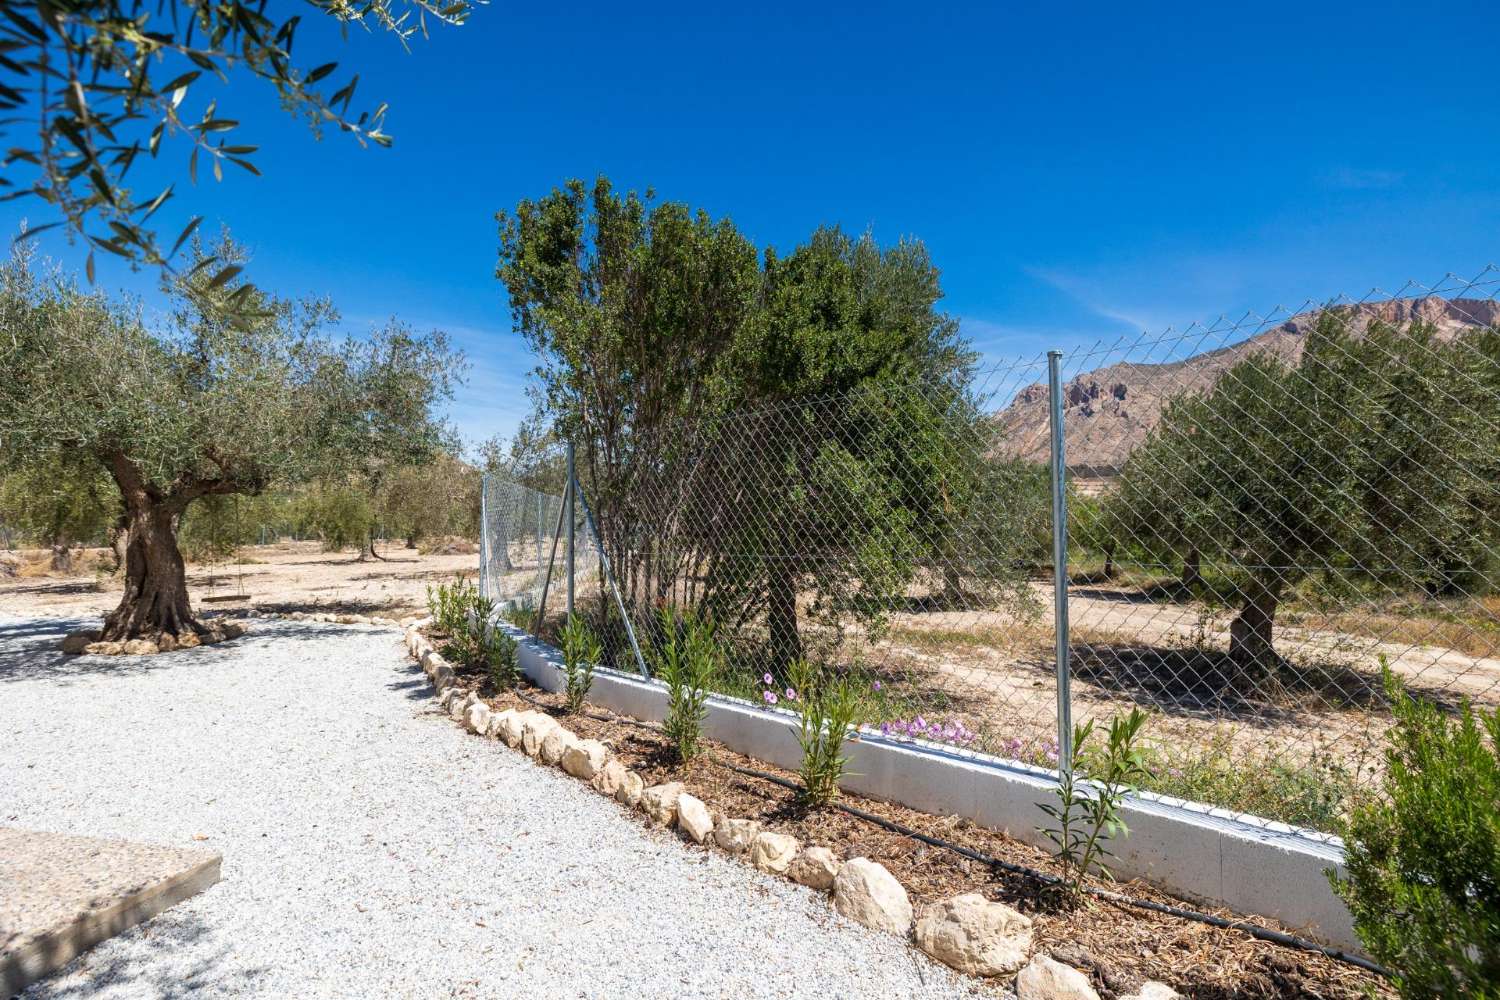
pixel 286 576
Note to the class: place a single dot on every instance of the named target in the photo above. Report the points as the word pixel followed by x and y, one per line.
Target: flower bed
pixel 1120 949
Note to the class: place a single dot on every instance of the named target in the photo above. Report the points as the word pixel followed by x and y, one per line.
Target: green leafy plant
pixel 830 709
pixel 498 652
pixel 581 651
pixel 521 618
pixel 687 661
pixel 1423 854
pixel 458 612
pixel 1087 812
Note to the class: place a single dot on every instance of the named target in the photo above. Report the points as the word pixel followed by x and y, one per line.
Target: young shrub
pixel 581 650
pixel 1423 854
pixel 687 662
pixel 1088 808
pixel 830 710
pixel 498 651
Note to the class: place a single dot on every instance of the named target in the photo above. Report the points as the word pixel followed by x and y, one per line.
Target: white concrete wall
pixel 1250 866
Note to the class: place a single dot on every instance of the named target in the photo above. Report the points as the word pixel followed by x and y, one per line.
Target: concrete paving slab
pixel 62 894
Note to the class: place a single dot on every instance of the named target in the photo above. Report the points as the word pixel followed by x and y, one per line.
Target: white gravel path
pixel 372 849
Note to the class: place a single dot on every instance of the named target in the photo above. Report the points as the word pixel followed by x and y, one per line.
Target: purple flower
pixel 766 678
pixel 918 724
pixel 902 727
pixel 1051 756
pixel 885 729
pixel 770 697
pixel 876 685
pixel 791 694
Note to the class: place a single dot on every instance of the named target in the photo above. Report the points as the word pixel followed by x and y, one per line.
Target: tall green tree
pixel 200 408
pixel 1374 455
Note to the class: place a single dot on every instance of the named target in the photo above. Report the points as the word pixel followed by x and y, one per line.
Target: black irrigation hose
pixel 1041 877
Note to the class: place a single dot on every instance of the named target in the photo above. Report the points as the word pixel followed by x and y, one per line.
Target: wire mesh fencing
pixel 1261 519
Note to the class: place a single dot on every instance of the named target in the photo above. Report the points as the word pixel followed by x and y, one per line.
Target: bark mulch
pixel 1119 946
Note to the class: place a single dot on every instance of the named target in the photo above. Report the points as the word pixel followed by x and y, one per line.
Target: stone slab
pixel 61 894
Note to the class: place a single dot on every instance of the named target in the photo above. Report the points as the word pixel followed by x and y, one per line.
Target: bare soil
pixel 285 576
pixel 1119 946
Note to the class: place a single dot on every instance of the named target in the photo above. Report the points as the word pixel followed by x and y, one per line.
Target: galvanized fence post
pixel 568 502
pixel 484 535
pixel 1060 563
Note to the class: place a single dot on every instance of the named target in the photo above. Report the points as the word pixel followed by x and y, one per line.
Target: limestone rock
pixel 610 779
pixel 104 648
pixel 632 788
pixel 773 852
pixel 816 868
pixel 233 630
pixel 556 743
pixel 659 802
pixel 139 647
pixel 975 936
pixel 1152 990
pixel 534 730
pixel 166 642
pixel 212 635
pixel 478 718
pixel 77 642
pixel 188 640
pixel 507 725
pixel 865 892
pixel 1046 979
pixel 735 835
pixel 693 818
pixel 585 758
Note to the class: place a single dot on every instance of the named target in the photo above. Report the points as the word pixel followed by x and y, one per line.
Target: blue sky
pixel 1078 172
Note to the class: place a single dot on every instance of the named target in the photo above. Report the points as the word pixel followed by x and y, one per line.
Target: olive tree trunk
pixel 781 617
pixel 155 599
pixel 1251 632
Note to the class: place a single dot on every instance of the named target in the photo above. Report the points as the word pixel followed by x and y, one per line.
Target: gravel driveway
pixel 372 849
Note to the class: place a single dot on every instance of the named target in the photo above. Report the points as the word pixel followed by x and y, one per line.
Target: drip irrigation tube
pixel 1041 877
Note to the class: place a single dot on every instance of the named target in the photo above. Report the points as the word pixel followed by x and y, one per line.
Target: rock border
pixel 968 933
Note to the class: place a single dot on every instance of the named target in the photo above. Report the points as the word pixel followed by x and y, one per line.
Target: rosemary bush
pixel 1423 853
pixel 1087 812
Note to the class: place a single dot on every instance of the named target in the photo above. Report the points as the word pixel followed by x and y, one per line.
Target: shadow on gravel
pixel 29 649
pixel 151 965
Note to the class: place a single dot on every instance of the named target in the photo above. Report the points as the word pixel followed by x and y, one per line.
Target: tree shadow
pixel 62 589
pixel 149 959
pixel 29 649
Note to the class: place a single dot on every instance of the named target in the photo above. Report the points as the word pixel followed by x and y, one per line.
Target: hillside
pixel 1110 410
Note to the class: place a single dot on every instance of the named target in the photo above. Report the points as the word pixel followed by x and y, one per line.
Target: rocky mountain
pixel 1110 410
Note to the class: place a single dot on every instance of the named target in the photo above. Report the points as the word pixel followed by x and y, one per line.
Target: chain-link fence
pixel 1258 515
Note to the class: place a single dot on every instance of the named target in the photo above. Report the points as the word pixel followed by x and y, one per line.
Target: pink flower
pixel 770 697
pixel 791 694
pixel 766 678
pixel 876 685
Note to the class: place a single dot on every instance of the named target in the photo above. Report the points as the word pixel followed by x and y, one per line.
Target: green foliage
pixel 687 661
pixel 521 618
pixel 1376 452
pixel 57 497
pixel 581 652
pixel 1423 855
pixel 448 606
pixel 111 82
pixel 830 709
pixel 654 323
pixel 497 650
pixel 340 514
pixel 1312 793
pixel 1087 812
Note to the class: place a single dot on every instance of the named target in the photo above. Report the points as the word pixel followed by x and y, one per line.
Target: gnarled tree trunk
pixel 1192 571
pixel 1250 634
pixel 155 598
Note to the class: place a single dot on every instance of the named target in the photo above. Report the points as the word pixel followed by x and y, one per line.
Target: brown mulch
pixel 1119 946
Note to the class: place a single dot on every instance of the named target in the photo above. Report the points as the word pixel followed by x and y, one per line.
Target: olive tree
pixel 103 84
pixel 197 407
pixel 1375 454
